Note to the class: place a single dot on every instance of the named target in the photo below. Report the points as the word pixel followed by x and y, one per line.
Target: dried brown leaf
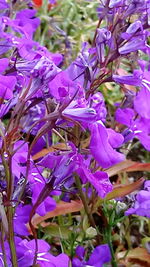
pixel 123 190
pixel 62 208
pixel 45 151
pixel 128 166
pixel 135 257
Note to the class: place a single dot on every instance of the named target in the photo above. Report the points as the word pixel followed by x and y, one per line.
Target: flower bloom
pixel 141 206
pixel 103 143
pixel 99 256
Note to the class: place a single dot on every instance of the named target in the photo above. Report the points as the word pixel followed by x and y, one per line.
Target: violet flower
pixel 102 39
pixel 24 22
pixel 26 251
pixel 4 5
pixel 101 146
pixel 100 255
pixel 81 114
pixel 8 255
pixel 141 206
pixel 141 102
pixel 115 3
pixel 19 158
pixel 139 127
pixel 97 102
pixel 81 70
pixel 7 83
pixel 62 86
pixel 36 186
pixel 21 218
pixel 99 179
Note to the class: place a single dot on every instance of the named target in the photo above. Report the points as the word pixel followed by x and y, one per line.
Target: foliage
pixel 74 133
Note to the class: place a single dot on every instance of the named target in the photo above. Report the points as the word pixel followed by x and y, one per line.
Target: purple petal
pixel 3 64
pixel 127 79
pixel 142 103
pixel 61 80
pixel 142 196
pixel 125 116
pixel 80 252
pixel 99 180
pixel 114 3
pixel 43 246
pixel 81 114
pixel 147 185
pixel 3 4
pixel 100 255
pixel 102 183
pixel 47 205
pixel 134 27
pixel 101 149
pixel 144 139
pixel 21 218
pixel 7 84
pixel 115 139
pixel 132 46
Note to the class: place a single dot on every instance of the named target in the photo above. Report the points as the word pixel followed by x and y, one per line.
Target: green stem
pixel 11 237
pixel 3 247
pixel 10 210
pixel 84 201
pixel 109 240
pixel 7 175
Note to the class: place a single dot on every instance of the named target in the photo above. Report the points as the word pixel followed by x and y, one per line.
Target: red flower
pixel 38 3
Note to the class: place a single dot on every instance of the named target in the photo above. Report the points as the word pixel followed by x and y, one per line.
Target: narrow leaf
pixel 62 208
pixel 123 190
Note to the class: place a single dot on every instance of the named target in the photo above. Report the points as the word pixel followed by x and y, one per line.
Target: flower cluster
pixel 41 98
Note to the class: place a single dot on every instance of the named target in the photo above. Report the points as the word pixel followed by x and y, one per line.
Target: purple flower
pixel 125 116
pixel 139 127
pixel 81 69
pixel 7 84
pixel 19 157
pixel 81 114
pixel 8 255
pixel 45 69
pixel 3 5
pixel 132 46
pixel 101 148
pixel 141 206
pixel 48 203
pixel 99 179
pixel 114 3
pixel 127 79
pixel 26 47
pixel 62 86
pixel 4 62
pixel 100 255
pixel 26 251
pixel 102 39
pixel 24 22
pixel 97 102
pixel 141 103
pixel 21 218
pixel 67 166
pixel 80 252
pixel 135 6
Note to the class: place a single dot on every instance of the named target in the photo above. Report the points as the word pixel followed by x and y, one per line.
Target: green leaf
pixel 55 230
